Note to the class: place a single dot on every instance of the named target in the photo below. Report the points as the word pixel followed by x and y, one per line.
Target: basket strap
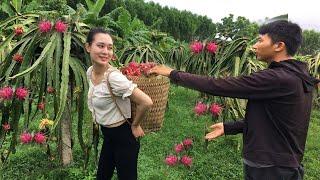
pixel 113 96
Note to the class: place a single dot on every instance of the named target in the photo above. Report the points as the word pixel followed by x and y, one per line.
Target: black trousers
pixel 273 173
pixel 120 150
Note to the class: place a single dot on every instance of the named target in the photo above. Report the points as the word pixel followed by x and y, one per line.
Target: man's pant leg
pixel 273 173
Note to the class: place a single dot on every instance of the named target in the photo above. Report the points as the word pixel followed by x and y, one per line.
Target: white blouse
pixel 100 103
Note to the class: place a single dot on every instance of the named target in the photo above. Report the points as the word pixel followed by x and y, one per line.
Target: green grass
pixel 312 152
pixel 222 159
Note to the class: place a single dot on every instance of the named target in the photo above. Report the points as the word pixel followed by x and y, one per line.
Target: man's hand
pixel 161 70
pixel 217 130
pixel 137 131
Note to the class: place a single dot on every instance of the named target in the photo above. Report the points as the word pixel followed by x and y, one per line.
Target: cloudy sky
pixel 304 12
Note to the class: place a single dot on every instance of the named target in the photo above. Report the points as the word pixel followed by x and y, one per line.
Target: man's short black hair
pixel 284 31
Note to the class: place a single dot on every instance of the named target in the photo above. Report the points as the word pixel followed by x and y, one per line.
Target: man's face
pixel 264 48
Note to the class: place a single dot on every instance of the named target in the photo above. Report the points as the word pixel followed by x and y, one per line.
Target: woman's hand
pixel 161 70
pixel 137 131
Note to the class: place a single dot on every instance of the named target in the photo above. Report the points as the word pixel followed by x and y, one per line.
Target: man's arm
pixel 235 127
pixel 260 85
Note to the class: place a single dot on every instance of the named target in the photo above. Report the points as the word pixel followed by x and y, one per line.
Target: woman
pixel 120 146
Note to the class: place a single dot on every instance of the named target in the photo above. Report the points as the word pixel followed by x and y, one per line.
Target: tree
pixel 241 27
pixel 206 28
pixel 311 43
pixel 182 25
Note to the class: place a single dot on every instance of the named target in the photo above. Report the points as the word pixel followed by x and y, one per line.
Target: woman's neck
pixel 98 69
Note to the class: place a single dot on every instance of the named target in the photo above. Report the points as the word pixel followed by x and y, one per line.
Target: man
pixel 278 109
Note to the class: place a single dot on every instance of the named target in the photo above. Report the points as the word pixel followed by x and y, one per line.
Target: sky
pixel 306 13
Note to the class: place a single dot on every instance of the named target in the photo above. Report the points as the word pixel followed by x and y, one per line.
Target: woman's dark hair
pixel 284 31
pixel 95 31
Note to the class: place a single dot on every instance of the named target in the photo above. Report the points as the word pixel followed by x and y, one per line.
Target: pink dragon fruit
pixel 18 31
pixel 21 93
pixel 215 109
pixel 6 126
pixel 6 93
pixel 187 143
pixel 25 138
pixel 39 138
pixel 200 108
pixel 17 57
pixel 171 160
pixel 44 26
pixel 196 47
pixel 178 148
pixel 61 26
pixel 212 47
pixel 186 160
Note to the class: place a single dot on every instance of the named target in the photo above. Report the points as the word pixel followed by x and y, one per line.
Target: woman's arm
pixel 143 103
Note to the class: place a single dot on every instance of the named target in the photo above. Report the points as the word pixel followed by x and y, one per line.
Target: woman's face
pixel 101 49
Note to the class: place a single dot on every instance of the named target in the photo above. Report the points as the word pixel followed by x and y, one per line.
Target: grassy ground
pixel 222 159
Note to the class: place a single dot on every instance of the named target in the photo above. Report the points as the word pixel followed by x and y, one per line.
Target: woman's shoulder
pixel 120 84
pixel 115 74
pixel 114 71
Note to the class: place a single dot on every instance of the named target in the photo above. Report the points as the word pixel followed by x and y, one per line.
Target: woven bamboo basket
pixel 157 87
